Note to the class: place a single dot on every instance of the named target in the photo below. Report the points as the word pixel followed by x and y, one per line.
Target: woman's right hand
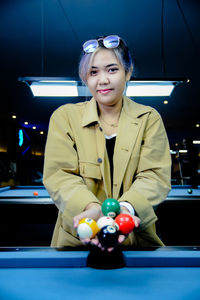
pixel 93 211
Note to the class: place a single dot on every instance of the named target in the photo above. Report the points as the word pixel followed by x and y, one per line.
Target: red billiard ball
pixel 35 193
pixel 125 223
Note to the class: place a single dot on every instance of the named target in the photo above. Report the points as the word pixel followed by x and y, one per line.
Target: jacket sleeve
pixel 61 168
pixel 152 180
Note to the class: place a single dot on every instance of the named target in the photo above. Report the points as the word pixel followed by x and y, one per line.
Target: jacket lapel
pixel 91 116
pixel 126 137
pixel 129 127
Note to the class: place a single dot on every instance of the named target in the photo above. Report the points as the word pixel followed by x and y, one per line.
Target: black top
pixel 110 145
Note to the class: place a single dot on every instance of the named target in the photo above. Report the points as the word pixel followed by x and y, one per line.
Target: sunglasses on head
pixel 109 42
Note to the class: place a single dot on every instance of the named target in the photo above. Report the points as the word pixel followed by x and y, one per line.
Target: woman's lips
pixel 104 91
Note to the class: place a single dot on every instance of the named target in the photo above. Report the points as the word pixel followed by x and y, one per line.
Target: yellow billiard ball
pixel 87 228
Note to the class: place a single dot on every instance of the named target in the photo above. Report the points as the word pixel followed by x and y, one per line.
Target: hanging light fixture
pixel 55 87
pixel 151 88
pixel 70 87
pixel 66 87
pixel 49 87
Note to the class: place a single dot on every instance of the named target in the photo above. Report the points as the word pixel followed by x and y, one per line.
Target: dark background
pixel 44 38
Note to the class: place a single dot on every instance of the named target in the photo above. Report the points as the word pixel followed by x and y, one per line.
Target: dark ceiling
pixel 44 38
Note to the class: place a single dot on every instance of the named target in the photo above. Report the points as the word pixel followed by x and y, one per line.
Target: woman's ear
pixel 128 75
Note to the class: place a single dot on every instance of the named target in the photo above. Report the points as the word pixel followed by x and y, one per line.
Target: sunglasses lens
pixel 90 46
pixel 111 41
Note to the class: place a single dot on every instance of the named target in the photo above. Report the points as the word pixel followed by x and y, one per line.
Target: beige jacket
pixel 77 172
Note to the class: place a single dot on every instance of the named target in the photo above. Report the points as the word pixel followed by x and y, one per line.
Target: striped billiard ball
pixel 87 228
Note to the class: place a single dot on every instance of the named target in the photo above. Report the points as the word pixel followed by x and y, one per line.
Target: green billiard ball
pixel 110 207
pixel 189 191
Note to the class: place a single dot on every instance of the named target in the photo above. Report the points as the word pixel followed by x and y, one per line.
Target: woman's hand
pixel 137 220
pixel 93 211
pixel 122 237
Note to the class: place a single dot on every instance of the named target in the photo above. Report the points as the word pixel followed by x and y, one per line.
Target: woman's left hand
pixel 122 237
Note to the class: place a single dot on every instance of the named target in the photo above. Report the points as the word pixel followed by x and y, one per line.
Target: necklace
pixel 111 125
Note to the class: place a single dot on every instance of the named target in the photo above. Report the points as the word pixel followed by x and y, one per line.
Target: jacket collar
pixel 131 108
pixel 91 114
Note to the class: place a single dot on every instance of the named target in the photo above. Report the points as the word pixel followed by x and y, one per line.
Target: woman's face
pixel 106 78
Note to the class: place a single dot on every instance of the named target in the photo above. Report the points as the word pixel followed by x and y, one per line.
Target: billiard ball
pixel 87 228
pixel 105 220
pixel 110 207
pixel 189 191
pixel 125 223
pixel 35 193
pixel 108 236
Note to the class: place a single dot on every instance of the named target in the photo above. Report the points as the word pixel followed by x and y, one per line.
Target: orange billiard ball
pixel 35 193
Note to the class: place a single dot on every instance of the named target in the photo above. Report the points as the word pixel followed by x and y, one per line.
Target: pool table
pixel 53 273
pixel 28 220
pixel 25 194
pixel 25 219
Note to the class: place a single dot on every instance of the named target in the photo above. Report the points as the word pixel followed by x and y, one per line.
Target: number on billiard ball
pixel 125 223
pixel 111 207
pixel 108 236
pixel 87 228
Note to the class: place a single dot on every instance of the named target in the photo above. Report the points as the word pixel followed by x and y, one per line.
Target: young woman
pixel 107 147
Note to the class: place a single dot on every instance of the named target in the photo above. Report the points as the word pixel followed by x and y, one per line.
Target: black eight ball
pixel 108 236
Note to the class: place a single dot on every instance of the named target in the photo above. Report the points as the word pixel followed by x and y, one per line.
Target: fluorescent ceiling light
pixel 150 88
pixel 64 87
pixel 180 151
pixel 54 89
pixel 183 151
pixel 173 152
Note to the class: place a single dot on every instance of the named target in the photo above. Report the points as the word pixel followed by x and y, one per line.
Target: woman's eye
pixel 113 70
pixel 93 72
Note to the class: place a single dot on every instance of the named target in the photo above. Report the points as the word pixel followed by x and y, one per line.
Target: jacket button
pixel 99 160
